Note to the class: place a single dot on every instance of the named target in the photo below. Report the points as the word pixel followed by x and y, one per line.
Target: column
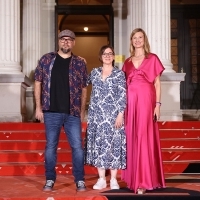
pixel 158 30
pixel 10 36
pixel 13 82
pixel 154 17
pixel 38 39
pixel 31 36
pixel 31 48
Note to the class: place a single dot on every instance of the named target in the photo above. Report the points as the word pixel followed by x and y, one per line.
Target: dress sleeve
pixel 121 99
pixel 89 79
pixel 91 76
pixel 152 67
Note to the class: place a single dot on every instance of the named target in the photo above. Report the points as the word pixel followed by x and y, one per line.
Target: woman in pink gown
pixel 144 162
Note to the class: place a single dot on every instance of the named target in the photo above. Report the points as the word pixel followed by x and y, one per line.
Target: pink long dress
pixel 144 161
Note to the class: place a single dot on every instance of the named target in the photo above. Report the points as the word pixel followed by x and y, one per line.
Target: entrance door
pixel 185 33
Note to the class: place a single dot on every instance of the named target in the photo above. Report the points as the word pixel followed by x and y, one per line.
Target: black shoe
pixel 80 186
pixel 48 185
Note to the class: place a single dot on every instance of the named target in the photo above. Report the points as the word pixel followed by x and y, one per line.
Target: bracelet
pixel 158 103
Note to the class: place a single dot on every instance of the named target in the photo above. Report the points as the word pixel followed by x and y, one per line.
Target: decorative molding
pixel 171 76
pixel 15 78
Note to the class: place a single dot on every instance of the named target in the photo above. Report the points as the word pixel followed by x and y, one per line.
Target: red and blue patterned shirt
pixel 77 80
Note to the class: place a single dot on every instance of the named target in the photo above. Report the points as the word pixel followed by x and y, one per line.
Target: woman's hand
pixel 119 120
pixel 157 85
pixel 157 112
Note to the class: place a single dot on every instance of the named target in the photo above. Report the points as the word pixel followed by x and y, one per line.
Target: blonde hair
pixel 146 42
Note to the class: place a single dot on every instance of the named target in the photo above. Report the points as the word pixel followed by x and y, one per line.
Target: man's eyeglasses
pixel 66 40
pixel 107 54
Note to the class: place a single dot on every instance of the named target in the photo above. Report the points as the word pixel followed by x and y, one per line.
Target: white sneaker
pixel 101 183
pixel 113 184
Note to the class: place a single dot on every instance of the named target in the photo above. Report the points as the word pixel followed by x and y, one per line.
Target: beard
pixel 65 50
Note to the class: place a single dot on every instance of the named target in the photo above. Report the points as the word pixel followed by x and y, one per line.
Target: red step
pixel 29 145
pixel 178 133
pixel 26 135
pixel 22 148
pixel 179 125
pixel 33 156
pixel 16 126
pixel 180 144
pixel 33 169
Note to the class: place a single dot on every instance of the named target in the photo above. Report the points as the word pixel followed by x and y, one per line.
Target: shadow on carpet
pixel 162 194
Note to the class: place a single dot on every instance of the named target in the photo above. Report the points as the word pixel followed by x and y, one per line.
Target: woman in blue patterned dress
pixel 106 140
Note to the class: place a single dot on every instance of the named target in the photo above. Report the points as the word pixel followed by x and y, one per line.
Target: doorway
pixel 99 21
pixel 185 40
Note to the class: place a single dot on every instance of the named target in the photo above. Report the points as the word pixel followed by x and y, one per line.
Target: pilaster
pixel 120 32
pixel 31 50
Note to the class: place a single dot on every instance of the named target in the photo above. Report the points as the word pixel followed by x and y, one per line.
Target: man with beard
pixel 60 95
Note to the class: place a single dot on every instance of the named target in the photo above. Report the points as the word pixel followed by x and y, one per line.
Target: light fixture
pixel 85 28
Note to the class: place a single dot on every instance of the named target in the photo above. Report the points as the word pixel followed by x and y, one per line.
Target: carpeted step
pixel 26 135
pixel 33 169
pixel 30 145
pixel 186 143
pixel 179 125
pixel 179 133
pixel 22 148
pixel 33 156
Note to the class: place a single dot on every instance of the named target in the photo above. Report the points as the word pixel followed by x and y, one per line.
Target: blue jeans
pixel 72 126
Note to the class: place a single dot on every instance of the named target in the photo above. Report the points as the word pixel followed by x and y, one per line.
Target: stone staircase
pixel 22 149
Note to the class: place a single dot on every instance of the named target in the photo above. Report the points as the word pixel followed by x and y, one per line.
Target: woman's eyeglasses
pixel 107 54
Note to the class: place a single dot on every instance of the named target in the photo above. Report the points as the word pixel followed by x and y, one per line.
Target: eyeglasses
pixel 107 54
pixel 66 40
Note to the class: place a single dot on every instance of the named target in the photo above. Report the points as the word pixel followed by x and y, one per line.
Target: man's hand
pixel 83 103
pixel 82 116
pixel 39 114
pixel 37 92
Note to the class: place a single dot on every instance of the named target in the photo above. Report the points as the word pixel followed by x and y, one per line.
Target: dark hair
pixel 102 50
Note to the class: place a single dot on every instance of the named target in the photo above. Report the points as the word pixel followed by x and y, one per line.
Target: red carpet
pixel 30 188
pixel 22 148
pixel 22 164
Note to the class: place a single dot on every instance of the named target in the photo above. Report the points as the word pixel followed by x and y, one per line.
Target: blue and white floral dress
pixel 105 145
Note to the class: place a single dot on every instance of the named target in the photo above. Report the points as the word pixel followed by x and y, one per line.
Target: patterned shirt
pixel 77 80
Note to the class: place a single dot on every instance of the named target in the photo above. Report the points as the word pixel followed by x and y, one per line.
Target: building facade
pixel 29 29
